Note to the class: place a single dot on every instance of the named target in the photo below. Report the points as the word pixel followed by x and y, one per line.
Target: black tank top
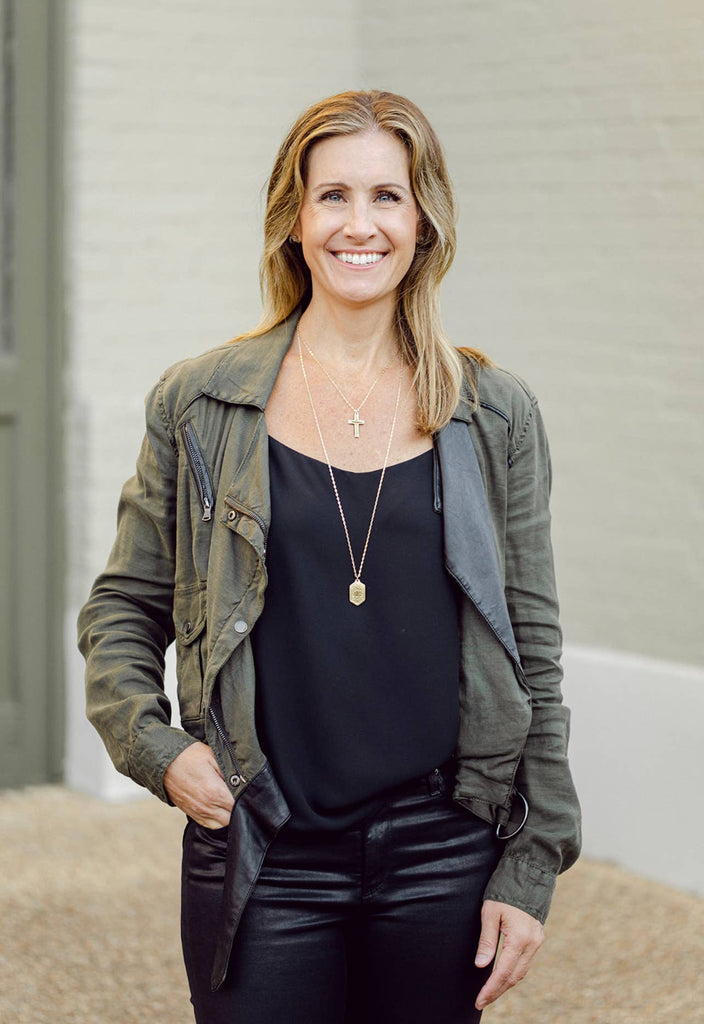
pixel 354 701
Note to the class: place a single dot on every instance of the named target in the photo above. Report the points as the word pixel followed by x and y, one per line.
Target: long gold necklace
pixel 357 589
pixel 355 422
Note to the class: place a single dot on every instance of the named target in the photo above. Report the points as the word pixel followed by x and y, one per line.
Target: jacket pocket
pixel 191 649
pixel 247 523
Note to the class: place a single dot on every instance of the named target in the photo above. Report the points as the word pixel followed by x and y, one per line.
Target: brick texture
pixel 575 137
pixel 175 109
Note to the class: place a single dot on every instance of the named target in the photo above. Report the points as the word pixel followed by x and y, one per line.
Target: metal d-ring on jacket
pixel 189 563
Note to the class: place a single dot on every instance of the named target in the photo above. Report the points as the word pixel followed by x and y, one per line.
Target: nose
pixel 360 222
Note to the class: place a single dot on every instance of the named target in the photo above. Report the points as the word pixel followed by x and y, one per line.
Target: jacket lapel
pixel 470 548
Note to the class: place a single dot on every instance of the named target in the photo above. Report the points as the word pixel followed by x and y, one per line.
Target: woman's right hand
pixel 194 783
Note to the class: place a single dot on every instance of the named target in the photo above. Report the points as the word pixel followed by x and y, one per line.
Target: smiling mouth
pixel 359 259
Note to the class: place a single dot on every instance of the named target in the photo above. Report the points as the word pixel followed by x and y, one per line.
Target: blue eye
pixel 332 197
pixel 387 196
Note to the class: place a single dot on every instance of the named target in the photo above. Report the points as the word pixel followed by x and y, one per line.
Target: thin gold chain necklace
pixel 357 589
pixel 355 422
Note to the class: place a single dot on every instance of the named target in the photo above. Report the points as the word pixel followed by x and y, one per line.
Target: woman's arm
pixel 517 899
pixel 550 840
pixel 126 624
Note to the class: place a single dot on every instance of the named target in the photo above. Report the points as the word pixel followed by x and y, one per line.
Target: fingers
pixel 217 819
pixel 523 937
pixel 195 784
pixel 510 968
pixel 491 929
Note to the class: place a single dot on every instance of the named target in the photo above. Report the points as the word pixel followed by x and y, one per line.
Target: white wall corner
pixel 635 751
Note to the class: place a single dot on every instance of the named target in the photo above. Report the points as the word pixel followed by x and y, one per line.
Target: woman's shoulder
pixel 496 388
pixel 184 381
pixel 195 371
pixel 239 372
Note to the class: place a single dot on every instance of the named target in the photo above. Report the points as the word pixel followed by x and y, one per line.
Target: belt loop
pixel 436 783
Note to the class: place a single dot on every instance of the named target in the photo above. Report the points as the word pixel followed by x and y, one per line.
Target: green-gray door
pixel 31 698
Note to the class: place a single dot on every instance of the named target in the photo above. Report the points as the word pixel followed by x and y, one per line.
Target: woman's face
pixel 359 220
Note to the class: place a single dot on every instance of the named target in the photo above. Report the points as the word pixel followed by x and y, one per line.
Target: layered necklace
pixel 355 422
pixel 357 590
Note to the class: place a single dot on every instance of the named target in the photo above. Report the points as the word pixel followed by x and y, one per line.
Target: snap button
pixel 240 626
pixel 232 514
pixel 188 627
pixel 235 780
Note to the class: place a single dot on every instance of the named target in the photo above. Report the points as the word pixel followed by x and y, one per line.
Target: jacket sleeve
pixel 551 838
pixel 126 625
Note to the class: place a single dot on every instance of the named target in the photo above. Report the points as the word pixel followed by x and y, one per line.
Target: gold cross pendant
pixel 356 423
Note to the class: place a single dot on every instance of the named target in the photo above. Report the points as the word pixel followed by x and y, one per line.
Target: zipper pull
pixel 207 509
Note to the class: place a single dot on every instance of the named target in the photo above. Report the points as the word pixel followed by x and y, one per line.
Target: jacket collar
pixel 248 370
pixel 464 410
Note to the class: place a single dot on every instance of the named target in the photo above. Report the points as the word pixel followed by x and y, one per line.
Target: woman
pixel 343 522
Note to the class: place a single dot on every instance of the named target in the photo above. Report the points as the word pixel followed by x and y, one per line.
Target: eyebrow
pixel 342 184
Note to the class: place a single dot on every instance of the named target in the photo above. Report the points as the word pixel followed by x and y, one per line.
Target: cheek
pixel 412 234
pixel 413 226
pixel 315 227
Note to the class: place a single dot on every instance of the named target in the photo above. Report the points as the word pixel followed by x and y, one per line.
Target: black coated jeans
pixel 377 923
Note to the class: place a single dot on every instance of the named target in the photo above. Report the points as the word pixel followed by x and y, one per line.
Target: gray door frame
pixel 31 361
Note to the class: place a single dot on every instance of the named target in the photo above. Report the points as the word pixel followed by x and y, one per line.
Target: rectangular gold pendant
pixel 358 592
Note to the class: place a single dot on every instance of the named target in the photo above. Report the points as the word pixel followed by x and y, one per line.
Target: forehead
pixel 375 155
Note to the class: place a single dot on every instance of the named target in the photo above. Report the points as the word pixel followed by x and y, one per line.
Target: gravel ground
pixel 89 928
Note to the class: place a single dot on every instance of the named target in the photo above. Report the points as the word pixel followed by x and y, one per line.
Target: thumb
pixel 489 938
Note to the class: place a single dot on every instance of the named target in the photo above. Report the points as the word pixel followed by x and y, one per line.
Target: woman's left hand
pixel 523 937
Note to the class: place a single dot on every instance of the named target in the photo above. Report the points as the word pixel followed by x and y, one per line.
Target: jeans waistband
pixel 438 780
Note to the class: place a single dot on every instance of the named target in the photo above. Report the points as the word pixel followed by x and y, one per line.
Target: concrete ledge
pixel 636 756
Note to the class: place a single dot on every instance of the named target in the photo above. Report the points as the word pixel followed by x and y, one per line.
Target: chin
pixel 361 295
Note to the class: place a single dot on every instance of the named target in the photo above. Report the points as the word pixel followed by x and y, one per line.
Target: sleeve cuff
pixel 522 884
pixel 152 753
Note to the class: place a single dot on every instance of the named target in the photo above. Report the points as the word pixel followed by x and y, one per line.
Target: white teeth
pixel 359 258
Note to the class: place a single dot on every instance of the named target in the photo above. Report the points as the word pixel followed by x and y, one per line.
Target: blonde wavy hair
pixel 284 276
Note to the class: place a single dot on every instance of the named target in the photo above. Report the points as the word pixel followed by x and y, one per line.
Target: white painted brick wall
pixel 175 110
pixel 575 135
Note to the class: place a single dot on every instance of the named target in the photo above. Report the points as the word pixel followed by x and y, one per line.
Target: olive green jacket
pixel 189 563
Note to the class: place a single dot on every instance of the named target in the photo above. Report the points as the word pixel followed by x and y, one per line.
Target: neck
pixel 357 340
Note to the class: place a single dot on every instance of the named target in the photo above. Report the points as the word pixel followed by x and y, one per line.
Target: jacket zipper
pixel 233 503
pixel 199 470
pixel 226 740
